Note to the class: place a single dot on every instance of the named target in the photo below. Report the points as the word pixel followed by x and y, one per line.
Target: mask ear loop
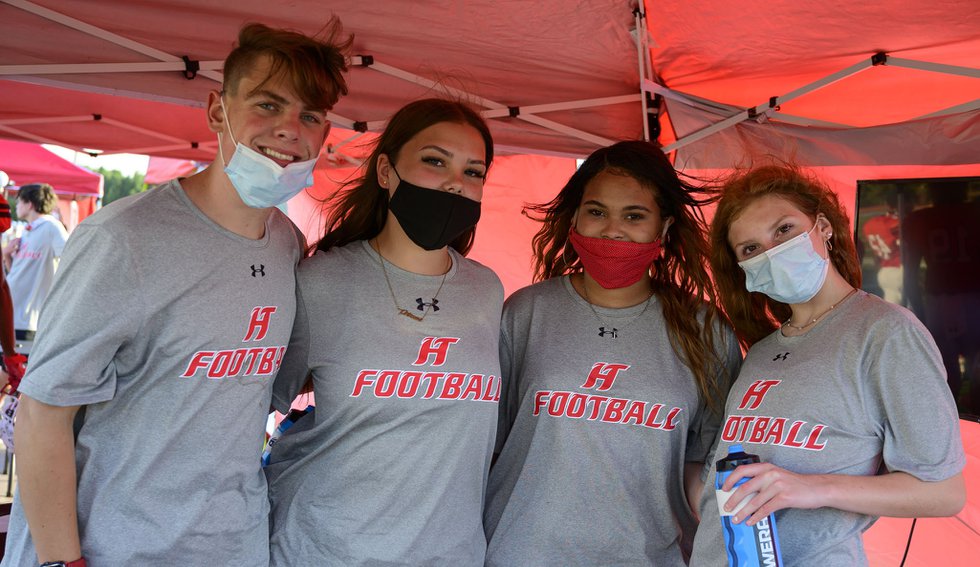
pixel 224 112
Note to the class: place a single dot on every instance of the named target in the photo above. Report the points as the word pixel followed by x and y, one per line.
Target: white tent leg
pixel 642 52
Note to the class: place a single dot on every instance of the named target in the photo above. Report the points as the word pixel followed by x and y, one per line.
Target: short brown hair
pixel 40 195
pixel 314 66
pixel 754 314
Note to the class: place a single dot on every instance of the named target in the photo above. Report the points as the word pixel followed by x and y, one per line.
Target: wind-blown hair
pixel 680 276
pixel 313 66
pixel 753 314
pixel 359 210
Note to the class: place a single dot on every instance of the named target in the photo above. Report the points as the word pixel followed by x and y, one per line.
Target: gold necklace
pixel 612 331
pixel 818 317
pixel 430 306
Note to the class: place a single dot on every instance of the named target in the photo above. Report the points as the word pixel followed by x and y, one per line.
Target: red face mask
pixel 614 263
pixel 4 216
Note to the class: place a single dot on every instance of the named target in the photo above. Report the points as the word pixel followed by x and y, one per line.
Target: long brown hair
pixel 755 315
pixel 359 210
pixel 680 277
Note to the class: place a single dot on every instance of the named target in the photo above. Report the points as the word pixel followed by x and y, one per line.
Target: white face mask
pixel 260 181
pixel 791 273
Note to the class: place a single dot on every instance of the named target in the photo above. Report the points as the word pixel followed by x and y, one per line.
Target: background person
pixel 615 370
pixel 33 259
pixel 399 332
pixel 884 236
pixel 841 394
pixel 150 383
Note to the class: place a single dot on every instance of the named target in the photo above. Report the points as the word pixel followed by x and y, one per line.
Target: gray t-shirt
pixel 169 330
pixel 594 433
pixel 865 387
pixel 392 468
pixel 33 268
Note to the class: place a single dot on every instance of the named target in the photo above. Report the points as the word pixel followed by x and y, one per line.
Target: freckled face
pixel 619 207
pixel 768 222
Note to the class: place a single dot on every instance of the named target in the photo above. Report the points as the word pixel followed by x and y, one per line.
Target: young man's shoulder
pixel 138 210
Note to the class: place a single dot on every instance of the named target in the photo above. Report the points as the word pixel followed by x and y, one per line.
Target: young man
pixel 32 259
pixel 141 424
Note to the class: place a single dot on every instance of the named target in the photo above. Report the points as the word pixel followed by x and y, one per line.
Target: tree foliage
pixel 118 186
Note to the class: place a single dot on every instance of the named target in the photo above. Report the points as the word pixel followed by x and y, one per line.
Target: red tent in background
pixel 935 541
pixel 855 90
pixel 78 189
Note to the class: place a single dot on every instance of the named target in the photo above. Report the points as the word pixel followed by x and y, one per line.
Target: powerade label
pixel 746 546
pixel 765 543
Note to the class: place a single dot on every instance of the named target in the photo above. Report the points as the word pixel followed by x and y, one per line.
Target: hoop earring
pixel 564 255
pixel 830 244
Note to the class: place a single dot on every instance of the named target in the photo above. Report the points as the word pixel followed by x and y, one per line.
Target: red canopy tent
pixel 858 91
pixel 30 163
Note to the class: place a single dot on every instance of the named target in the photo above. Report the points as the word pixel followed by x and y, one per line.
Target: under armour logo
pixel 434 304
pixel 258 271
pixel 782 356
pixel 611 332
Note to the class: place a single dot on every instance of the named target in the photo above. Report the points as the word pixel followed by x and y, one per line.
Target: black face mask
pixel 432 218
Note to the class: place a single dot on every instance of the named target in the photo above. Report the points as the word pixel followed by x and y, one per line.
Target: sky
pixel 127 164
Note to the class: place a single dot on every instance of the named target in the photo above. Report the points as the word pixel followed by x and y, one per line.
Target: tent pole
pixel 765 107
pixel 639 31
pixel 35 138
pixel 100 33
pixel 490 104
pixel 935 67
pixel 965 107
pixel 88 68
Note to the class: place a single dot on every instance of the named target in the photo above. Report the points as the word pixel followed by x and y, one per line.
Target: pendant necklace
pixel 818 317
pixel 423 306
pixel 606 329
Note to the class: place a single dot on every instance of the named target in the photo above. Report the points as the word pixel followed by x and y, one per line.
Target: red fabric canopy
pixel 30 163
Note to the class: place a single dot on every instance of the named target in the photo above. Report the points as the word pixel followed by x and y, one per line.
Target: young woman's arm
pixel 895 494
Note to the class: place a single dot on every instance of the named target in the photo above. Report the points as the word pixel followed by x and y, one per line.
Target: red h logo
pixel 753 396
pixel 603 374
pixel 434 347
pixel 258 325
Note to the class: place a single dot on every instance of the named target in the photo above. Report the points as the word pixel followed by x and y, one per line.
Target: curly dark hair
pixel 680 277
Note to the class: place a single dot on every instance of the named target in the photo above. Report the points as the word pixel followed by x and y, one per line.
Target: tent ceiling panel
pixel 513 54
pixel 743 53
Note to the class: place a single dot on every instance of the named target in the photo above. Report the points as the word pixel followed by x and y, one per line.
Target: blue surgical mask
pixel 260 181
pixel 791 273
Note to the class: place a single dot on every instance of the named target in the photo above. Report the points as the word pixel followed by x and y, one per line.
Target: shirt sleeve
pixel 509 375
pixel 703 434
pixel 58 240
pixel 295 369
pixel 917 415
pixel 93 310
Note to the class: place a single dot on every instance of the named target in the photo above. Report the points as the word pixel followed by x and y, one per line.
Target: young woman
pixel 614 372
pixel 399 332
pixel 842 395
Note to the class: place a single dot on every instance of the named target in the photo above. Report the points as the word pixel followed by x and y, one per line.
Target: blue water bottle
pixel 746 546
